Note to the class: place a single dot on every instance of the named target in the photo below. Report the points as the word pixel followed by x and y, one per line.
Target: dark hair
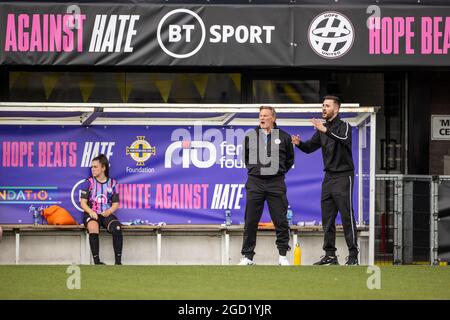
pixel 334 98
pixel 104 162
pixel 272 109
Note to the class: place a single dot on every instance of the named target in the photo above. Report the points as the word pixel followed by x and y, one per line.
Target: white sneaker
pixel 246 262
pixel 283 261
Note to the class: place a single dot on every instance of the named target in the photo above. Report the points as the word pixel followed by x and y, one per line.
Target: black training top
pixel 336 146
pixel 276 166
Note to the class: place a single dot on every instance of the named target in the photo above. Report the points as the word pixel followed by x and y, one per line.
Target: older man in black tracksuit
pixel 335 138
pixel 269 154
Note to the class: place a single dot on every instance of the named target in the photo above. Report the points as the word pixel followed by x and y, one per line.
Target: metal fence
pixel 406 219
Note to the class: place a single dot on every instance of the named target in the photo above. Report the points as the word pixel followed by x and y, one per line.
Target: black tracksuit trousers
pixel 259 190
pixel 337 195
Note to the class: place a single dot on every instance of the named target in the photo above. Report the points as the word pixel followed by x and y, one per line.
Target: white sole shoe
pixel 246 262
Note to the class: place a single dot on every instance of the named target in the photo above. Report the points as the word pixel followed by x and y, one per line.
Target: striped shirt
pixel 100 196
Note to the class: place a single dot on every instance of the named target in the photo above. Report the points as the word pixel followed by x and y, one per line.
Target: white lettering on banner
pixel 104 37
pixel 206 149
pixel 227 196
pixel 242 34
pixel 186 33
pixel 231 155
pixel 93 149
pixel 175 32
pixel 190 151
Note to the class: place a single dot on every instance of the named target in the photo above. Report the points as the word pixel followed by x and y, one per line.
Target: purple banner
pixel 165 173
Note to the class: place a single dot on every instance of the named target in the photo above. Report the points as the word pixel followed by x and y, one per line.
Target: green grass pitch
pixel 224 282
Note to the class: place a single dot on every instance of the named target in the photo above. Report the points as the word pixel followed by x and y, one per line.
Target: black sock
pixel 117 245
pixel 93 241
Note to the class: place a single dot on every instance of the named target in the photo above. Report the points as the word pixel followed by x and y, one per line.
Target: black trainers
pixel 118 263
pixel 351 261
pixel 99 263
pixel 327 261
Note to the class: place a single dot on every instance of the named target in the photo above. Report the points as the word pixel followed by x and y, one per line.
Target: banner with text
pixel 223 35
pixel 177 175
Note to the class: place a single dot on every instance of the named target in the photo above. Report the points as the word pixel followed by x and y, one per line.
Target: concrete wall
pixel 177 248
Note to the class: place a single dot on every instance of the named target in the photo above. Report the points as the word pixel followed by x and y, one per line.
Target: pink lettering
pixel 24 22
pixel 68 43
pixel 147 196
pixel 6 154
pixel 49 152
pixel 205 193
pixel 47 32
pixel 41 154
pixel 167 190
pixel 140 187
pixel 386 35
pixel 81 19
pixel 35 42
pixel 374 35
pixel 10 40
pixel 73 154
pixel 188 195
pixel 399 32
pixel 127 195
pixel 426 35
pixel 436 35
pixel 175 197
pixel 409 35
pixel 386 31
pixel 55 33
pixel 18 154
pixel 158 197
pixel 446 46
pixel 15 154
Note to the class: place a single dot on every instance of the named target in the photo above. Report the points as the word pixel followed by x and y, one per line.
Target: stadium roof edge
pixel 86 114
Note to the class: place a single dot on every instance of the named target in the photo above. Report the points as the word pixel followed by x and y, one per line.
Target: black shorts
pixel 102 221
